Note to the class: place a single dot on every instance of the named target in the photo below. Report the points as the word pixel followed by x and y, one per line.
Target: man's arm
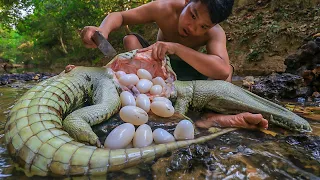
pixel 143 14
pixel 215 64
pixel 140 15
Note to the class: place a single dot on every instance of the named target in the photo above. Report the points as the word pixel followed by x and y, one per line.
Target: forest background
pixel 260 33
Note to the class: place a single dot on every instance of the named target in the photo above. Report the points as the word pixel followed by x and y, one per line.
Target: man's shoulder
pixel 168 2
pixel 165 5
pixel 168 6
pixel 216 31
pixel 159 10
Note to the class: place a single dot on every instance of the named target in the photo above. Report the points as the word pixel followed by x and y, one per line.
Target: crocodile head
pixel 131 61
pixel 291 121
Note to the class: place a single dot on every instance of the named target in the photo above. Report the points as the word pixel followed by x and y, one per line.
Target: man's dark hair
pixel 219 10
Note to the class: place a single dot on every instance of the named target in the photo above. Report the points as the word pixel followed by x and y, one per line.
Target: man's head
pixel 219 10
pixel 198 16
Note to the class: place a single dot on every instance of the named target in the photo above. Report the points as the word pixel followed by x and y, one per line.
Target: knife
pixel 104 46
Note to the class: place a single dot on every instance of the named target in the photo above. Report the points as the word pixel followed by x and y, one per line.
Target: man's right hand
pixel 86 36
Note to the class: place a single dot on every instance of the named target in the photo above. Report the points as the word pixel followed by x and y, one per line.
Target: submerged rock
pixel 186 158
pixel 242 154
pixel 310 145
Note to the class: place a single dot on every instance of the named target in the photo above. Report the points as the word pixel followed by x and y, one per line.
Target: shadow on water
pixel 241 154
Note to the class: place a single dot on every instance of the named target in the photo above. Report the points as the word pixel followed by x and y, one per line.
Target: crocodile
pixel 48 131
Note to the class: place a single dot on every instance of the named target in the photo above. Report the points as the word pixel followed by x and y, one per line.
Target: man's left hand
pixel 160 49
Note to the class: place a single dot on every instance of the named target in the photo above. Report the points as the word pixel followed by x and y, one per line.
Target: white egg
pixel 127 99
pixel 119 74
pixel 133 115
pixel 144 85
pixel 128 79
pixel 144 74
pixel 143 136
pixel 159 81
pixel 184 130
pixel 120 136
pixel 166 100
pixel 143 102
pixel 162 109
pixel 161 136
pixel 156 89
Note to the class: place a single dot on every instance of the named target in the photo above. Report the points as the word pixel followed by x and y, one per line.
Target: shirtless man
pixel 184 26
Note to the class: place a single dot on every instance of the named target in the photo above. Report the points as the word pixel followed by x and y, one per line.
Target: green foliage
pixel 9 44
pixel 255 55
pixel 47 32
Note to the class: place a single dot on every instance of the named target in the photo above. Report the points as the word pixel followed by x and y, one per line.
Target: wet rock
pixel 161 171
pixel 248 81
pixel 307 55
pixel 310 145
pixel 187 158
pixel 29 76
pixel 283 160
pixel 103 129
pixel 244 150
pixel 187 163
pixel 306 63
pixel 242 154
pixel 280 86
pixel 4 79
pixel 301 101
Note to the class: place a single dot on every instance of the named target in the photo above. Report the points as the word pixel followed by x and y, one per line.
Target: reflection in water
pixel 8 96
pixel 235 156
pixel 242 154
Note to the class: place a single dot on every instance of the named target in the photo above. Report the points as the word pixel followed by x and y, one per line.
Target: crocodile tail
pixel 33 133
pixel 124 158
pixel 89 160
pixel 53 152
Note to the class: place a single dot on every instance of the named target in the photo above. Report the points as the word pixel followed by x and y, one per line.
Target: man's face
pixel 194 20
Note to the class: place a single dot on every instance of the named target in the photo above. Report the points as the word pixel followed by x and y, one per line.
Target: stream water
pixel 241 154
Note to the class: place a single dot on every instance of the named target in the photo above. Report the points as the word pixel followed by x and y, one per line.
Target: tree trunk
pixel 62 45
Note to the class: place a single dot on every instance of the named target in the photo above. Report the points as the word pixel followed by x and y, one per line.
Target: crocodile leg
pixel 226 98
pixel 78 123
pixel 183 97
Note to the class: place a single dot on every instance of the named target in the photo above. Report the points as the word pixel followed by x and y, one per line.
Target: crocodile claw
pixel 98 144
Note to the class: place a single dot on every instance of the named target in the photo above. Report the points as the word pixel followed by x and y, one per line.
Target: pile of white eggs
pixel 125 135
pixel 135 109
pixel 136 101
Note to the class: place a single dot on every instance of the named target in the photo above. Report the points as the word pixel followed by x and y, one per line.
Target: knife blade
pixel 104 46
